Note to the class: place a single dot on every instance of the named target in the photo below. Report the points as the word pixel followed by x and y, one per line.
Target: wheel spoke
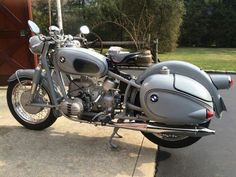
pixel 23 88
pixel 170 137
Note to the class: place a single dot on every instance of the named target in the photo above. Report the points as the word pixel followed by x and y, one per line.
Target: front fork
pixel 43 65
pixel 35 81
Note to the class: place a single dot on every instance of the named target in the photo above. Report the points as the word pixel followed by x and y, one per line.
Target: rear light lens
pixel 209 114
pixel 231 81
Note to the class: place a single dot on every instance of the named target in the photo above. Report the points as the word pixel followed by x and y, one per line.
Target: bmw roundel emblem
pixel 62 59
pixel 154 98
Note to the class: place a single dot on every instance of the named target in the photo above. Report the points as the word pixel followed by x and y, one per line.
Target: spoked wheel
pixel 31 117
pixel 173 141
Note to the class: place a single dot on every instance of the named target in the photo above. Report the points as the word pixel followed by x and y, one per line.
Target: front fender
pixel 29 73
pixel 21 73
pixel 191 71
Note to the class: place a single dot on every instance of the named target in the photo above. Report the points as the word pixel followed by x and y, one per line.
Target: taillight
pixel 209 114
pixel 231 81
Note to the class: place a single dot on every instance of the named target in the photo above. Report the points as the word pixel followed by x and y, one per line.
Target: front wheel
pixel 31 117
pixel 173 141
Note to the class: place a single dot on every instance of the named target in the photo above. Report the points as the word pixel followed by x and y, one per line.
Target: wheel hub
pixel 25 101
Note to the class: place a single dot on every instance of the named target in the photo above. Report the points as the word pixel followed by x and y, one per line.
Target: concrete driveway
pixel 70 149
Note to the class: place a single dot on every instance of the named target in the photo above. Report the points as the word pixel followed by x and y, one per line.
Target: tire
pixel 186 141
pixel 28 116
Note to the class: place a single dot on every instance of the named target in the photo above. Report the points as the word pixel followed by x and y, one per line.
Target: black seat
pixel 124 57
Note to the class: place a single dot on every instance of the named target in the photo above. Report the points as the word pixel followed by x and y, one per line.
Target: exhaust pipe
pixel 190 131
pixel 193 132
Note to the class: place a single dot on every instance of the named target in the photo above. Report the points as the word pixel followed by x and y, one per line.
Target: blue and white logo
pixel 154 98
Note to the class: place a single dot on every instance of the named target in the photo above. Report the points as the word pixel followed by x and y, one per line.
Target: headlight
pixel 36 45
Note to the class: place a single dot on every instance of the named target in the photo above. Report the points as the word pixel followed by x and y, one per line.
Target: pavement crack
pixel 136 162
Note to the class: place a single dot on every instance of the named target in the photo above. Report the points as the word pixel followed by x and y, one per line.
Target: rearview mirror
pixel 84 30
pixel 33 27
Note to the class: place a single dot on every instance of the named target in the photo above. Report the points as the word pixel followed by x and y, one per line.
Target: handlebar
pixel 78 38
pixel 48 38
pixel 45 38
pixel 63 39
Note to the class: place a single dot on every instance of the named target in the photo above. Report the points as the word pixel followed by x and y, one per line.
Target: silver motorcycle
pixel 171 103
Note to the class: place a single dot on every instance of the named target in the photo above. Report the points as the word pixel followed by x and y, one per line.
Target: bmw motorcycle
pixel 171 103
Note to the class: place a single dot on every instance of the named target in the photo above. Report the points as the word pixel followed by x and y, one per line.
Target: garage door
pixel 14 35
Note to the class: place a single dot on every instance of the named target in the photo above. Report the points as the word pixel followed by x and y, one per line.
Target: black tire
pixel 174 144
pixel 47 121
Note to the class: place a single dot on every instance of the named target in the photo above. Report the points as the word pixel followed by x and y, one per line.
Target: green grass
pixel 221 59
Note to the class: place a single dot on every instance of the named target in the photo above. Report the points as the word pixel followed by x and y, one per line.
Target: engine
pixel 72 107
pixel 96 95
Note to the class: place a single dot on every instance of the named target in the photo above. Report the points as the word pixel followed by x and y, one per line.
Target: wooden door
pixel 14 36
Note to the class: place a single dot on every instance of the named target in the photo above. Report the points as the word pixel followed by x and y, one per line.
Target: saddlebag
pixel 175 99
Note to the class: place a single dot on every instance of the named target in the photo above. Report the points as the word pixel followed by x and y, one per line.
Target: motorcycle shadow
pixel 53 152
pixel 162 155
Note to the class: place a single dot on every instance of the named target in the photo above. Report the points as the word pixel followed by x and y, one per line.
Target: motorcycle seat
pixel 124 57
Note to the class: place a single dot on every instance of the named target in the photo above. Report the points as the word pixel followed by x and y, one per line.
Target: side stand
pixel 115 132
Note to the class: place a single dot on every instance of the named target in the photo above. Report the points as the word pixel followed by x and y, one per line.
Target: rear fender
pixel 191 71
pixel 29 73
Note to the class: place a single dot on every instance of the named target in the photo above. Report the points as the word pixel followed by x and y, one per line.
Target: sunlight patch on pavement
pixel 2 164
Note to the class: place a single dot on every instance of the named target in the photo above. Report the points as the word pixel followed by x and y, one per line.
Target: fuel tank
pixel 175 100
pixel 80 61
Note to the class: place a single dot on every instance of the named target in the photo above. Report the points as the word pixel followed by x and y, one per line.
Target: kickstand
pixel 118 135
pixel 115 132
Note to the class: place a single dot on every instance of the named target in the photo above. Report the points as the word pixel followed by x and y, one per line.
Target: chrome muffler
pixel 184 131
pixel 193 132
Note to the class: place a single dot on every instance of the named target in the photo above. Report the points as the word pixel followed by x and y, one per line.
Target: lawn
pixel 221 59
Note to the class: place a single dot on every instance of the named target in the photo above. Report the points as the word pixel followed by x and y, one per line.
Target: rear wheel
pixel 173 141
pixel 31 117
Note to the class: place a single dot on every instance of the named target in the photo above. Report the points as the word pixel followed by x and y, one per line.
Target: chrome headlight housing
pixel 36 45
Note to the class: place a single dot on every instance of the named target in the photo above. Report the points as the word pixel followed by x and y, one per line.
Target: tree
pixel 41 13
pixel 168 19
pixel 142 20
pixel 209 23
pixel 151 19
